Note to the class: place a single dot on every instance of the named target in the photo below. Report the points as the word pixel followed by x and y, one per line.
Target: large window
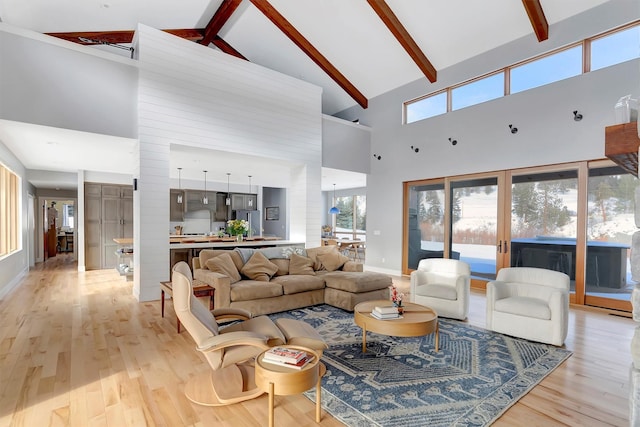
pixel 620 45
pixel 477 91
pixel 615 48
pixel 351 222
pixel 425 108
pixel 548 69
pixel 9 211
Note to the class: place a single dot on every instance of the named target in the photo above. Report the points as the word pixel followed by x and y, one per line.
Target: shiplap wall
pixel 191 95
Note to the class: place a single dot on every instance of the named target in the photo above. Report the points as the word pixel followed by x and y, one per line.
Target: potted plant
pixel 237 227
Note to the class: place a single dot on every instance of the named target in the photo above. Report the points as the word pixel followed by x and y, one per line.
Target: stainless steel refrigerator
pixel 254 218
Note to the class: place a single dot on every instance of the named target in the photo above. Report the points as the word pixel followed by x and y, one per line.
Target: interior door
pixel 111 229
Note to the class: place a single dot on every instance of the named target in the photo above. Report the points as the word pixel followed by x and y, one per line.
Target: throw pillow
pixel 301 265
pixel 332 261
pixel 223 264
pixel 313 254
pixel 259 268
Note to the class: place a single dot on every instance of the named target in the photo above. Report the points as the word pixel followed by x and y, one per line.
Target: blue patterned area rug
pixel 471 381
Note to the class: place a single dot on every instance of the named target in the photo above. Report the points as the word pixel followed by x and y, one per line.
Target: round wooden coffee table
pixel 417 320
pixel 281 380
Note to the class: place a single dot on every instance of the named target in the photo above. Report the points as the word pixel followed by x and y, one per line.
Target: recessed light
pixel 105 5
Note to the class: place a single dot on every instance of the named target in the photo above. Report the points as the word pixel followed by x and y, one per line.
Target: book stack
pixel 383 313
pixel 291 358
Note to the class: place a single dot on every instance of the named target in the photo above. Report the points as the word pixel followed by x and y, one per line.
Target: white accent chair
pixel 231 351
pixel 443 285
pixel 530 303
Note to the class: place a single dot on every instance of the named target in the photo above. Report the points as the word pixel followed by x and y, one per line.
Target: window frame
pixel 10 211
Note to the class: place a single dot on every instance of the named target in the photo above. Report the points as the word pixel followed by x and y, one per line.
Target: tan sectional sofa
pixel 286 278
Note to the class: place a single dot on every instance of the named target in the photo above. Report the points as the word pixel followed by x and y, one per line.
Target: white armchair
pixel 443 285
pixel 530 303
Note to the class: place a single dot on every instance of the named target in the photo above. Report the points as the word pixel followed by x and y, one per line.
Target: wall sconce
pixel 416 149
pixel 453 141
pixel 179 199
pixel 514 129
pixel 205 199
pixel 376 156
pixel 228 199
pixel 577 116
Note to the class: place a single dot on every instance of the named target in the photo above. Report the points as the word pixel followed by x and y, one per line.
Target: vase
pixel 400 309
pixel 238 237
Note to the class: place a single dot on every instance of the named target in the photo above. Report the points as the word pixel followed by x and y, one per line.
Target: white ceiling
pixel 348 33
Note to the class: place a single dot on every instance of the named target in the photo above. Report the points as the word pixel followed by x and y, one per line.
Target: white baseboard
pixel 13 284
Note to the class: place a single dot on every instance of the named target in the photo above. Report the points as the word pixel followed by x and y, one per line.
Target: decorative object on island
pixel 237 227
pixel 179 199
pixel 334 210
pixel 396 298
pixel 326 230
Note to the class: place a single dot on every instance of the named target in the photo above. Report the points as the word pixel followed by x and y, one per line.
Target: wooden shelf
pixel 621 144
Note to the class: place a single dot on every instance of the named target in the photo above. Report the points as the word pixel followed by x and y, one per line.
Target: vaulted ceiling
pixel 354 49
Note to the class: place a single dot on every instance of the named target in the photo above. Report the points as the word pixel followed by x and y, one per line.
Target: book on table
pixel 298 365
pixel 386 309
pixel 387 316
pixel 285 355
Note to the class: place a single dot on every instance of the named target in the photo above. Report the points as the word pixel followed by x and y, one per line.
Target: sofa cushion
pixel 295 284
pixel 248 290
pixel 282 264
pixel 301 265
pixel 207 254
pixel 436 290
pixel 259 268
pixel 332 261
pixel 524 306
pixel 313 254
pixel 223 264
pixel 356 282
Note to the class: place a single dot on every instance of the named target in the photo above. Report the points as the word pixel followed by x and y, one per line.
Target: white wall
pixel 547 132
pixel 48 81
pixel 345 145
pixel 192 95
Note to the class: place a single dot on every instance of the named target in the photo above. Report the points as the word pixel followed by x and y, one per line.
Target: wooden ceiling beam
pixel 120 37
pixel 220 18
pixel 537 18
pixel 404 38
pixel 299 40
pixel 227 48
pixel 126 36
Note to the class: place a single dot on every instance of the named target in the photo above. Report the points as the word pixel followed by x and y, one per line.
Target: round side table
pixel 281 380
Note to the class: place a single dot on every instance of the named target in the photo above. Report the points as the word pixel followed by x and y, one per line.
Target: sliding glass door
pixel 544 218
pixel 610 226
pixel 475 237
pixel 577 218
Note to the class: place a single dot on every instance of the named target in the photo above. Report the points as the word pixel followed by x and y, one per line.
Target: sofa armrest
pixel 218 281
pixel 195 263
pixel 353 266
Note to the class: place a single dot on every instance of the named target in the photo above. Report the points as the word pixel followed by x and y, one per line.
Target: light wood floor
pixel 77 349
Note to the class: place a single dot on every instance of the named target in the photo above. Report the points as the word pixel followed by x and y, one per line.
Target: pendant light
pixel 250 203
pixel 179 200
pixel 334 210
pixel 205 199
pixel 228 200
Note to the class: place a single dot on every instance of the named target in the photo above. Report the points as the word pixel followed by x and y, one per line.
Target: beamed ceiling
pixel 354 49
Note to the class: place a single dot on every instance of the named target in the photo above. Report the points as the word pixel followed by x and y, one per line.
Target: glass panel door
pixel 544 215
pixel 425 222
pixel 610 225
pixel 474 225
